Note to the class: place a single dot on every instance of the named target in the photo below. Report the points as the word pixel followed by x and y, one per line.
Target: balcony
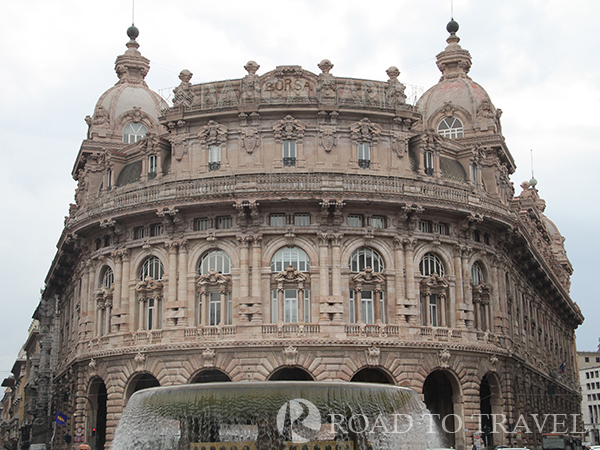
pixel 289 161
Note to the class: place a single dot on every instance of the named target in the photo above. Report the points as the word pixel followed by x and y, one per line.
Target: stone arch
pixel 96 412
pixel 349 246
pixel 141 256
pixel 139 381
pixel 490 402
pixel 458 111
pixel 440 251
pixel 209 376
pixel 372 374
pixel 99 272
pixel 277 243
pixel 290 373
pixel 144 118
pixel 442 395
pixel 199 250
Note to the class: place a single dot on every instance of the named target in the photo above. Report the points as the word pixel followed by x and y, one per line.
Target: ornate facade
pixel 304 226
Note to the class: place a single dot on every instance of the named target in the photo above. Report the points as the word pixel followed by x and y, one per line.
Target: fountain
pixel 276 415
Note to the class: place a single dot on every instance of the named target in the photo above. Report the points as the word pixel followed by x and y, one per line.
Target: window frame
pixel 301 262
pixel 366 253
pixel 431 261
pixel 149 267
pixel 454 128
pixel 135 135
pixel 289 152
pixel 215 259
pixel 214 157
pixel 364 155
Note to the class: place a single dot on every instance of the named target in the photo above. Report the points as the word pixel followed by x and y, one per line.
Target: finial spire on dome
pixel 453 62
pixel 132 67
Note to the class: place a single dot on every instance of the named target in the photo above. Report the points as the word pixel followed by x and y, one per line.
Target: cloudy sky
pixel 538 60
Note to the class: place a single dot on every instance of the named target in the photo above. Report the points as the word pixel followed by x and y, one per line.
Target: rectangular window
pixel 597 359
pixel 274 306
pixel 202 224
pixel 382 306
pixel 428 160
pixel 229 308
pixel 109 177
pixel 433 310
pixel 140 233
pixel 214 157
pixel 289 153
pixel 152 165
pixel 302 220
pixel 199 308
pixel 306 305
pixel 587 359
pixel 290 305
pixel 378 221
pixel 367 306
pixel 364 155
pixel 277 220
pixel 424 227
pixel 156 229
pixel 150 314
pixel 474 175
pixel 351 306
pixel 442 229
pixel 224 222
pixel 355 221
pixel 214 308
pixel 587 375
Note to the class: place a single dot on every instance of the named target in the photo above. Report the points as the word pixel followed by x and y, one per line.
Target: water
pixel 276 415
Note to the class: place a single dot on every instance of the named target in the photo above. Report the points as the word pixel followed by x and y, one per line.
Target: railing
pixel 382 330
pixel 210 331
pixel 138 193
pixel 290 329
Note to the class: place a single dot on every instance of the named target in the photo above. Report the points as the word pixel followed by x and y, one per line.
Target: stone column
pixel 107 316
pixel 85 300
pixel 223 293
pixel 182 291
pixel 127 316
pixel 323 265
pixel 300 305
pixel 399 286
pixel 377 305
pixel 357 304
pixel 410 270
pixel 172 292
pixel 336 241
pixel 459 290
pixel 244 288
pixel 427 310
pixel 204 308
pixel 280 305
pixel 256 267
pixel 118 279
pixel 495 312
pixel 442 307
pixel 141 321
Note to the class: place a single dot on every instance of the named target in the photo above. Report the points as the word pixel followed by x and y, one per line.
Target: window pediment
pixel 434 285
pixel 367 276
pixel 481 293
pixel 212 278
pixel 290 275
pixel 149 288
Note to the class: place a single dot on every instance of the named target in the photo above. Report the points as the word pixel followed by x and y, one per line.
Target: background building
pixel 302 226
pixel 589 378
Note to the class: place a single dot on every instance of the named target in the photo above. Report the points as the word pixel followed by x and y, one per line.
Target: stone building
pixel 293 225
pixel 589 379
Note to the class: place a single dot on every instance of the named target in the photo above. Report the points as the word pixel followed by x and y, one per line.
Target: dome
pixel 457 95
pixel 128 101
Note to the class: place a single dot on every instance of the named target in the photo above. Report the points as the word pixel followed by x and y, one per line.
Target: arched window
pixel 108 278
pixel 451 127
pixel 152 267
pixel 476 274
pixel 133 132
pixel 366 257
pixel 215 260
pixel 290 256
pixel 431 264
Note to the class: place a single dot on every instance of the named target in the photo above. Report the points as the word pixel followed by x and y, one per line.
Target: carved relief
pixel 373 355
pixel 290 355
pixel 250 84
pixel 365 131
pixel 213 134
pixel 394 94
pixel 249 133
pixel 149 289
pixel 326 87
pixel 289 129
pixel 213 278
pixel 208 357
pixel 444 358
pixel 327 132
